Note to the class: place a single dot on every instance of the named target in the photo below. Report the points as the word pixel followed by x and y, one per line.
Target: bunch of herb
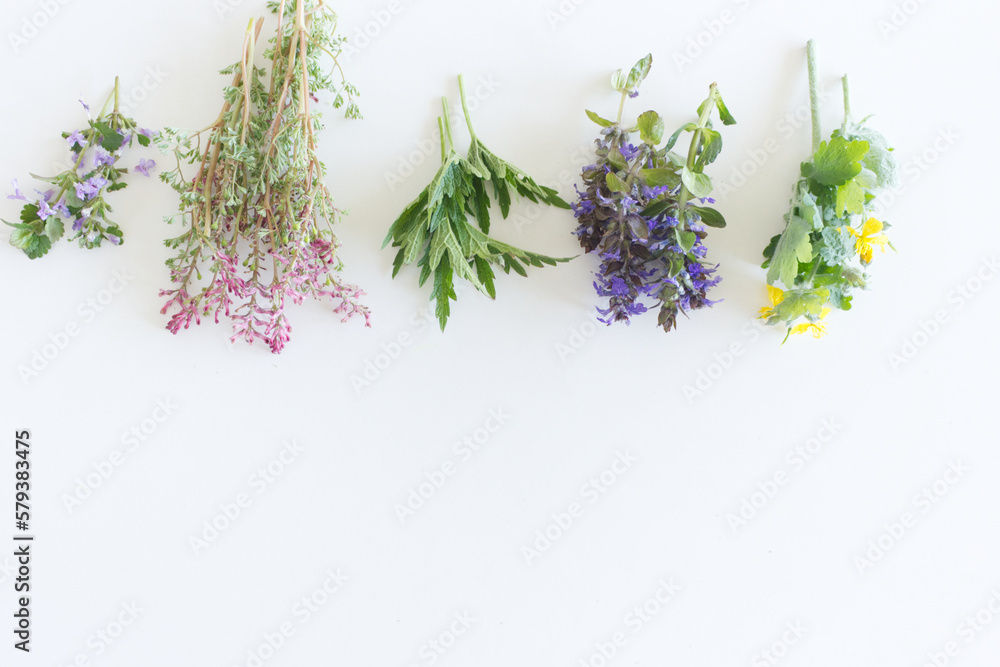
pixel 257 211
pixel 643 209
pixel 76 197
pixel 829 238
pixel 435 231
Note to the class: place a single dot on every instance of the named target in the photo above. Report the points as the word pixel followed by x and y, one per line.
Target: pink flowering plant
pixel 76 197
pixel 257 211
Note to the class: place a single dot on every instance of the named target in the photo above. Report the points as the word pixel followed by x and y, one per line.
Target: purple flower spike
pixel 144 166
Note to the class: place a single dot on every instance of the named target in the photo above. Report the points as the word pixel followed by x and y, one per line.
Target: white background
pixel 566 415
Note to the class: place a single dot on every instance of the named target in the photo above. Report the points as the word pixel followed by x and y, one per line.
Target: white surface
pixel 565 419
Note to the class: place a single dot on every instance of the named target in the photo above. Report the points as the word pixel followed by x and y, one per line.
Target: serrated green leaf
pixel 143 139
pixel 485 273
pixel 54 228
pixel 850 199
pixel 33 245
pixel 120 185
pixel 836 161
pixel 793 247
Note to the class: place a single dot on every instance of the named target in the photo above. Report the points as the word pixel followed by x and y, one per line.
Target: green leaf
pixel 120 185
pixel 709 216
pixel 639 73
pixel 660 176
pixel 698 184
pixel 793 247
pixel 836 162
pixel 143 139
pixel 837 247
pixel 686 240
pixel 485 272
pixel 690 127
pixel 603 122
pixel 29 214
pixel 32 244
pixel 54 228
pixel 615 184
pixel 110 139
pixel 651 128
pixel 710 148
pixel 658 207
pixel 799 303
pixel 850 199
pixel 879 159
pixel 443 292
pixel 724 115
pixel 807 208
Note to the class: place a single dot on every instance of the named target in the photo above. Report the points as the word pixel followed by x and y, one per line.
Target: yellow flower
pixel 776 296
pixel 870 235
pixel 818 328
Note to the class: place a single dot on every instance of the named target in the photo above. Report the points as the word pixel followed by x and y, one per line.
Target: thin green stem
pixel 817 136
pixel 444 147
pixel 446 118
pixel 706 111
pixel 621 107
pixel 465 105
pixel 847 101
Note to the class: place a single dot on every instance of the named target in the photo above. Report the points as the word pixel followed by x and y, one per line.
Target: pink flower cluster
pixel 257 307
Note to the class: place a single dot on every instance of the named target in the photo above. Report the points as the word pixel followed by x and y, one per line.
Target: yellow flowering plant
pixel 830 236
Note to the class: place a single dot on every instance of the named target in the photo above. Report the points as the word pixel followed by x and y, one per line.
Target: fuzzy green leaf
pixel 793 247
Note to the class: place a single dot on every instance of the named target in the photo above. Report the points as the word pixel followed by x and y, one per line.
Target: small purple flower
pixel 84 216
pixel 47 195
pixel 76 139
pixel 114 239
pixel 17 192
pixel 85 106
pixel 144 166
pixel 61 208
pixel 149 134
pixel 44 211
pixel 633 94
pixel 89 188
pixel 102 157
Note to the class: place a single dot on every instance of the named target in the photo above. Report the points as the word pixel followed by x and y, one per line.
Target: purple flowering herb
pixel 636 213
pixel 79 195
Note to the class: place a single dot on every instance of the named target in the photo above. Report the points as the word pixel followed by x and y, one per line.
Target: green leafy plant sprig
pixel 435 231
pixel 77 197
pixel 829 238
